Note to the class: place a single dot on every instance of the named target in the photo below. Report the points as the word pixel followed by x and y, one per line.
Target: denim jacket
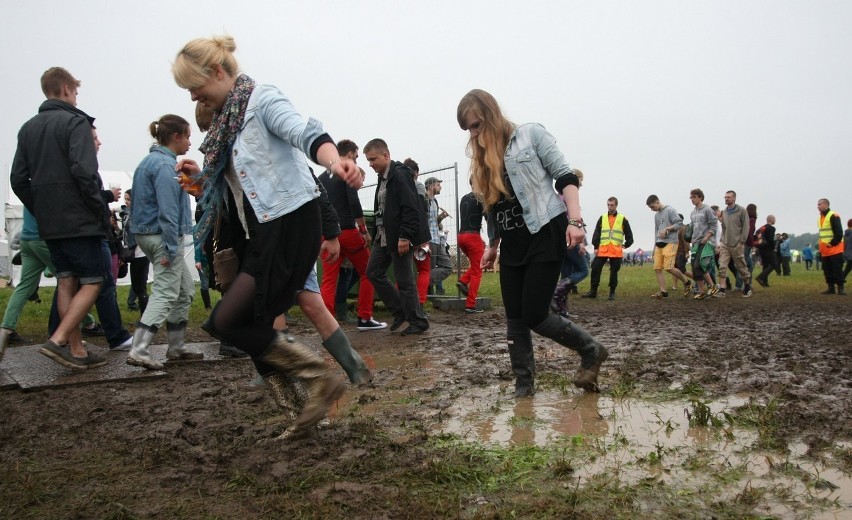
pixel 534 162
pixel 269 154
pixel 160 206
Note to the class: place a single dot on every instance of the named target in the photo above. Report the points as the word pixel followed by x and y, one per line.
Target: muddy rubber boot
pixel 339 347
pixel 289 394
pixel 592 353
pixel 840 290
pixel 521 357
pixel 830 289
pixel 559 303
pixel 139 356
pixel 176 332
pixel 299 361
pixel 205 297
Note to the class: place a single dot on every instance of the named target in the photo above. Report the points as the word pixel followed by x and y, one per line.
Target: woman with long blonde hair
pixel 256 179
pixel 513 170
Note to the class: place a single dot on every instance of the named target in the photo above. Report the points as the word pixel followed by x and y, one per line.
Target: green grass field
pixel 634 283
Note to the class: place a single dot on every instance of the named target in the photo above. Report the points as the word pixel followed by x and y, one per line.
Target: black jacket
pixel 55 173
pixel 403 215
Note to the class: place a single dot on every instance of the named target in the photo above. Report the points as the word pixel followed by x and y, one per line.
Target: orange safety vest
pixel 612 236
pixel 826 235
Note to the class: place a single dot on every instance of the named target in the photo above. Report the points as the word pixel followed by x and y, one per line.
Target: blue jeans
pixel 575 266
pixel 106 304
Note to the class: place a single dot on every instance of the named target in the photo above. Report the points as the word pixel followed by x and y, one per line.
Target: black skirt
pixel 279 255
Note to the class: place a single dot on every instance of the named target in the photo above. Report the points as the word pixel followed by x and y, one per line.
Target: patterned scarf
pixel 216 148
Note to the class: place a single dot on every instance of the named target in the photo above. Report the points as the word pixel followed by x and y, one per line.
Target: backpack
pixel 758 235
pixel 687 235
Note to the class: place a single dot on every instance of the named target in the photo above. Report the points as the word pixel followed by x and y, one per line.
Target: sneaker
pixel 227 350
pixel 660 295
pixel 371 324
pixel 123 346
pixel 462 288
pixel 719 294
pixel 712 291
pixel 95 330
pixel 747 291
pixel 62 355
pixel 700 296
pixel 473 310
pixel 397 323
pixel 414 329
pixel 687 288
pixel 14 337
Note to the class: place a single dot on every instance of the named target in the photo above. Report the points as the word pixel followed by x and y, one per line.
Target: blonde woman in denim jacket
pixel 513 170
pixel 255 177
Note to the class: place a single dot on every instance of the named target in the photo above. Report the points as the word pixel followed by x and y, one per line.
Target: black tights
pixel 527 291
pixel 233 318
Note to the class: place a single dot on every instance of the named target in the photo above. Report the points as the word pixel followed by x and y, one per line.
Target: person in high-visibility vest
pixel 612 235
pixel 831 247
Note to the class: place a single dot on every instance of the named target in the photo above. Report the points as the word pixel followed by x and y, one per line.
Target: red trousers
pixel 473 247
pixel 423 268
pixel 354 247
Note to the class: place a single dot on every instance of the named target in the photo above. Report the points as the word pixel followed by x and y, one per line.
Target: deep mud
pixel 197 444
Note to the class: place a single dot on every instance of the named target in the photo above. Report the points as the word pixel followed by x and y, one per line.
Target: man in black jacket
pixel 400 226
pixel 764 237
pixel 55 174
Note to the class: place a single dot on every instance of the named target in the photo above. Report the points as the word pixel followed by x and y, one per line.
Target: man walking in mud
pixel 399 227
pixel 732 242
pixel 764 238
pixel 55 174
pixel 667 222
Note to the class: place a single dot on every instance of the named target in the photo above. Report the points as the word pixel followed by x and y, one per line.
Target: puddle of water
pixel 640 440
pixel 632 439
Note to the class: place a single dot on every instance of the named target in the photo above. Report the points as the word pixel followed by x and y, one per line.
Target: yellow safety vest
pixel 612 238
pixel 826 235
pixel 615 235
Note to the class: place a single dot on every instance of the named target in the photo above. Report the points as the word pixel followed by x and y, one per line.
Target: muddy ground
pixel 196 444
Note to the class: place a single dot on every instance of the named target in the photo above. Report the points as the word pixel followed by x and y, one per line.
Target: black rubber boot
pixel 592 353
pixel 840 290
pixel 205 297
pixel 522 358
pixel 830 289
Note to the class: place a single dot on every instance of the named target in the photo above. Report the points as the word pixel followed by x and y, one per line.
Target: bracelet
pixel 332 163
pixel 576 223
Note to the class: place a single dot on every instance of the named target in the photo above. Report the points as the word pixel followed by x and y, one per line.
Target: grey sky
pixel 643 96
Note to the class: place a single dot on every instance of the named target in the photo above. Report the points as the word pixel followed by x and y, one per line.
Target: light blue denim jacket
pixel 534 162
pixel 160 206
pixel 269 154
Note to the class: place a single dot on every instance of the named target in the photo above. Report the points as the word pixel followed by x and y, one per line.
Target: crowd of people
pixel 263 219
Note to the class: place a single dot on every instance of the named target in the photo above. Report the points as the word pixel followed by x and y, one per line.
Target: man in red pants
pixel 354 241
pixel 471 244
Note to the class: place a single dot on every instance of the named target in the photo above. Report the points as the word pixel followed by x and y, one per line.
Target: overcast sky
pixel 643 96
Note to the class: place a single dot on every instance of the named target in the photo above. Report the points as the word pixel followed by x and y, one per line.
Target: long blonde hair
pixel 487 149
pixel 194 63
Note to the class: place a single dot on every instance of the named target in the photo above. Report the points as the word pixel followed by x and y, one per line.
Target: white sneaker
pixel 371 324
pixel 124 346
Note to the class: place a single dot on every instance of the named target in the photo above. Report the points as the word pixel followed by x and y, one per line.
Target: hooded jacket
pixel 55 173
